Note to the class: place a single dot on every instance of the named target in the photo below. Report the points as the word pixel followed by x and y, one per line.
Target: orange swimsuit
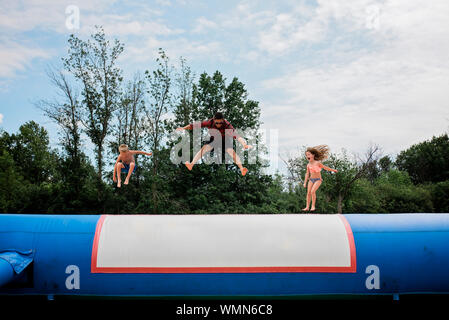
pixel 314 168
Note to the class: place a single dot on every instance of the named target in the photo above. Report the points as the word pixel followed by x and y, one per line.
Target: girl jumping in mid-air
pixel 315 155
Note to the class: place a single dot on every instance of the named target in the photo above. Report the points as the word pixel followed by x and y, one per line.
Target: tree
pixel 397 194
pixel 208 96
pixel 360 171
pixel 66 113
pixel 426 161
pixel 129 114
pixel 184 97
pixel 159 85
pixel 219 188
pixel 211 94
pixel 130 127
pixel 31 153
pixel 440 196
pixel 296 167
pixel 11 183
pixel 385 164
pixel 28 169
pixel 93 63
pixel 364 198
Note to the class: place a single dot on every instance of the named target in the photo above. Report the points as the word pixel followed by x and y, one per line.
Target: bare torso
pixel 126 157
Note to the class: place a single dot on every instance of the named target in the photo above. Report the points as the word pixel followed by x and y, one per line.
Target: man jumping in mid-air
pixel 227 134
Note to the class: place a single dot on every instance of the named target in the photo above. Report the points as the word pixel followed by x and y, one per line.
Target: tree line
pixel 96 106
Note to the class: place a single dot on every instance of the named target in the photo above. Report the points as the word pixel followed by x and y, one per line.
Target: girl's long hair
pixel 320 152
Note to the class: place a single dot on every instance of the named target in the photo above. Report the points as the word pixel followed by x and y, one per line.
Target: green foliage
pixel 397 194
pixel 36 179
pixel 364 199
pixel 30 151
pixel 440 196
pixel 93 64
pixel 211 95
pixel 339 184
pixel 217 188
pixel 184 83
pixel 208 189
pixel 426 161
pixel 26 169
pixel 11 183
pixel 385 164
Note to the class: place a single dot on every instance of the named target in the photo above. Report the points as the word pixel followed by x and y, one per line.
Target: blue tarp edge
pixel 19 260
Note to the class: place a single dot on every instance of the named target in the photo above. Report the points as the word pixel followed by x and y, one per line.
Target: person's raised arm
pixel 200 124
pixel 327 168
pixel 141 152
pixel 187 127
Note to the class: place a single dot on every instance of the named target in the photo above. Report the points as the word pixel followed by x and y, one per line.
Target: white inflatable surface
pixel 223 244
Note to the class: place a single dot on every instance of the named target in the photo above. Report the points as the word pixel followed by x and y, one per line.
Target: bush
pixel 365 198
pixel 440 196
pixel 397 194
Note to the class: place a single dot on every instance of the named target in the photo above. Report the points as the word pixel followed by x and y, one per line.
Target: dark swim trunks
pixel 126 168
pixel 226 142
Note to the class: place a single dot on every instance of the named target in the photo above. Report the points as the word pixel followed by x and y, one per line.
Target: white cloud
pixel 287 32
pixel 1 118
pixel 17 57
pixel 394 95
pixel 46 15
pixel 366 75
pixel 163 2
pixel 306 23
pixel 51 16
pixel 127 25
pixel 147 51
pixel 17 17
pixel 245 16
pixel 203 25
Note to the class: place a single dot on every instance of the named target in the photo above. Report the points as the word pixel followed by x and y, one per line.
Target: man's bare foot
pixel 244 171
pixel 189 165
pixel 126 181
pixel 119 184
pixel 305 209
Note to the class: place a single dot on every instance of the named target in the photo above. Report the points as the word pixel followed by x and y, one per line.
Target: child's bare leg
pixel 307 202
pixel 309 196
pixel 313 201
pixel 315 187
pixel 237 161
pixel 118 169
pixel 130 171
pixel 205 149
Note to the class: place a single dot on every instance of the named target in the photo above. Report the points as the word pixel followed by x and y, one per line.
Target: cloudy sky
pixel 342 73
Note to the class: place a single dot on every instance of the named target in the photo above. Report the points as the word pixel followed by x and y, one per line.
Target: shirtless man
pixel 125 163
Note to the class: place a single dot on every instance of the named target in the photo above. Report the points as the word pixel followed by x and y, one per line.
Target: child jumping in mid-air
pixel 315 155
pixel 125 163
